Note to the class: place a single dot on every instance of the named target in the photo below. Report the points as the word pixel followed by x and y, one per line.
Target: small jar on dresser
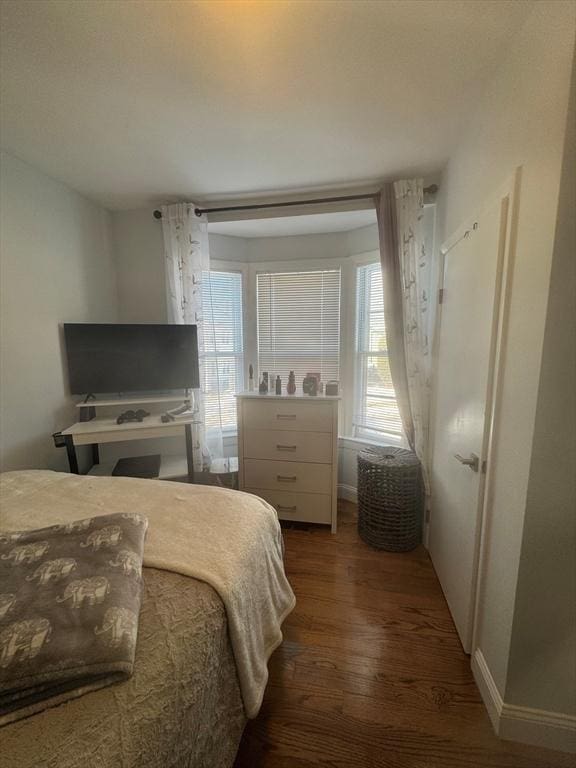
pixel 288 454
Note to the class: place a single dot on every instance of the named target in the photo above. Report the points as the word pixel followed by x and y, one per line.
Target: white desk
pixel 106 430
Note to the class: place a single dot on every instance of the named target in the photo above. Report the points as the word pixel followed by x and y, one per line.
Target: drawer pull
pixel 280 508
pixel 285 415
pixel 285 447
pixel 286 478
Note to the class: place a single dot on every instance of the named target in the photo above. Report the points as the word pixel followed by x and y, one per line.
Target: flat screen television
pixel 107 358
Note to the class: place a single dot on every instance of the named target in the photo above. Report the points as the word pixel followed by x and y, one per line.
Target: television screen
pixel 131 358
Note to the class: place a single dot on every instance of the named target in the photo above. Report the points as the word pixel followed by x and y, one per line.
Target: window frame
pixel 307 265
pixel 325 267
pixel 356 431
pixel 236 268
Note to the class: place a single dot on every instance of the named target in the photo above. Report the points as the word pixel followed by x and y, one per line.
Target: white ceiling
pixel 136 103
pixel 314 224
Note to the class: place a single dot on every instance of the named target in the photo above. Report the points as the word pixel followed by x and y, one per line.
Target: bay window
pixel 223 347
pixel 299 324
pixel 376 411
pixel 327 320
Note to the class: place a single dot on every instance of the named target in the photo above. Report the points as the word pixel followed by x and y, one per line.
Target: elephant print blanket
pixel 69 606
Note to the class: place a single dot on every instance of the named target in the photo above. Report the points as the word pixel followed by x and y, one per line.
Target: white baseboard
pixel 488 688
pixel 348 492
pixel 538 727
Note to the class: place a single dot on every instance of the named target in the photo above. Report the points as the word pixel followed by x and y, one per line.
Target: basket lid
pixel 390 456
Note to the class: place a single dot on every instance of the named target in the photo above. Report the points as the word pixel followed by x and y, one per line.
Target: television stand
pixel 99 431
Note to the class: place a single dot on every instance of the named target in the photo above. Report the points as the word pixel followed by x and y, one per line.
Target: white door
pixel 463 383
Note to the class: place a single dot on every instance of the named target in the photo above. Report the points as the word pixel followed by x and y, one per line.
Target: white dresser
pixel 288 454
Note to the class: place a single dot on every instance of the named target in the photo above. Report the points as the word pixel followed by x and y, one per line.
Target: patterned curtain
pixel 418 309
pixel 393 311
pixel 187 258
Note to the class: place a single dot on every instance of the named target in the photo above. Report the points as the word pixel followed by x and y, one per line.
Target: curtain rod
pixel 432 189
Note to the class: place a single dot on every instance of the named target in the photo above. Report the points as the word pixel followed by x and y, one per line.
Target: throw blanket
pixel 230 540
pixel 69 605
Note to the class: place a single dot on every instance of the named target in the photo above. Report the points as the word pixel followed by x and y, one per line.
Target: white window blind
pixel 223 347
pixel 376 411
pixel 299 324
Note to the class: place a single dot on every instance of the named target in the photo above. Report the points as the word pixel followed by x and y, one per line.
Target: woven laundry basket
pixel 390 498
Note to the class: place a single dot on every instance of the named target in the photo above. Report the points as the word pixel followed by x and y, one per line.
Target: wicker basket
pixel 390 498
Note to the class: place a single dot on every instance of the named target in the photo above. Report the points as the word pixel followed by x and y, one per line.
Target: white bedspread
pixel 228 539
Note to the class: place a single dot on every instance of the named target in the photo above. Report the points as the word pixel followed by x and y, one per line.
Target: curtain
pixel 408 278
pixel 393 311
pixel 187 263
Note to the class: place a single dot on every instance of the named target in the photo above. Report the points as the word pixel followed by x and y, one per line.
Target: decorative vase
pixel 291 387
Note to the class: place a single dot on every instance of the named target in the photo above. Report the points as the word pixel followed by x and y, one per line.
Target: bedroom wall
pixel 56 265
pixel 308 247
pixel 542 669
pixel 226 248
pixel 137 239
pixel 366 238
pixel 519 121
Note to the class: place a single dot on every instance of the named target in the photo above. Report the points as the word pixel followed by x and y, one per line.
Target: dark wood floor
pixel 371 672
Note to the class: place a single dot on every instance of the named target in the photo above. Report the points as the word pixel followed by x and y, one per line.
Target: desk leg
pixel 189 452
pixel 72 458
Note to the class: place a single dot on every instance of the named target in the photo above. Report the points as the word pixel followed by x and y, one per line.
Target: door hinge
pixel 441 296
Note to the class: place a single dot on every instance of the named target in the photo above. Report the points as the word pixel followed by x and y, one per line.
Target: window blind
pixel 299 324
pixel 376 409
pixel 223 359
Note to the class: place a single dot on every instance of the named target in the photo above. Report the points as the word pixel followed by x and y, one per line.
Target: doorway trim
pixel 509 195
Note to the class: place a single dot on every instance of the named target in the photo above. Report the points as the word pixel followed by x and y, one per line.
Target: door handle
pixel 473 462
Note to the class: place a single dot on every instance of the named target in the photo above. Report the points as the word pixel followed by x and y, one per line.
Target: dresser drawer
pixel 302 507
pixel 283 414
pixel 288 445
pixel 287 476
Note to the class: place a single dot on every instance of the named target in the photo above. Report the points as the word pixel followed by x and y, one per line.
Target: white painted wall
pixel 303 247
pixel 542 668
pixel 138 247
pixel 364 239
pixel 256 250
pixel 519 121
pixel 56 265
pixel 226 248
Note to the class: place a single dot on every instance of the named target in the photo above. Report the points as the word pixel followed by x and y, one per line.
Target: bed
pixel 200 667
